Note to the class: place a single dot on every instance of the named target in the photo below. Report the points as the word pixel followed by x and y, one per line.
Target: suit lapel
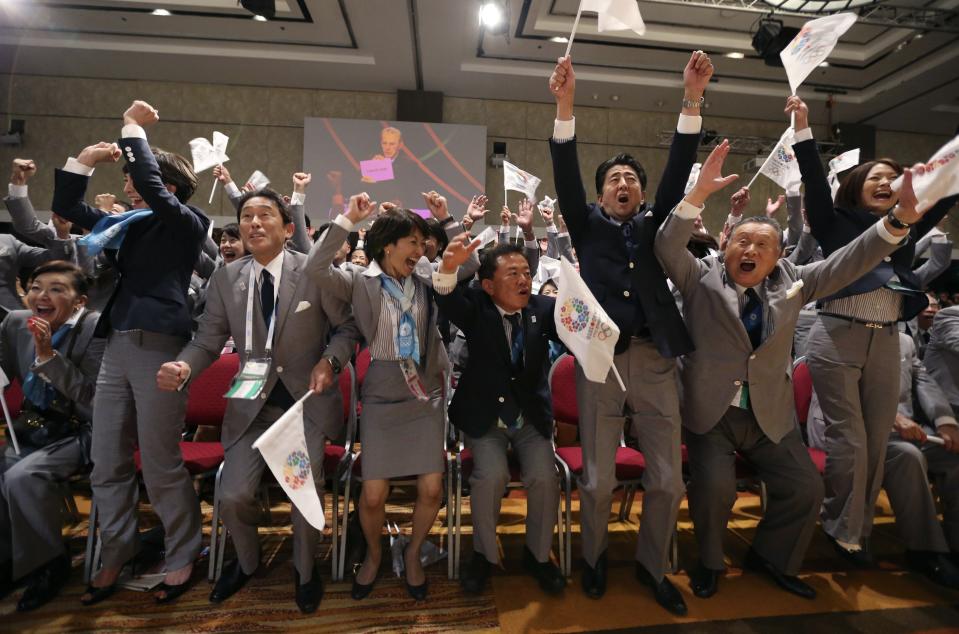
pixel 375 295
pixel 731 298
pixel 287 291
pixel 240 293
pixel 499 331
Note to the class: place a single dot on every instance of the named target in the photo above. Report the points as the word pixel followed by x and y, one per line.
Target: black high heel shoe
pixel 97 594
pixel 418 593
pixel 362 590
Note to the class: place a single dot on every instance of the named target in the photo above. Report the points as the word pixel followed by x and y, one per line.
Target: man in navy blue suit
pixel 147 322
pixel 613 238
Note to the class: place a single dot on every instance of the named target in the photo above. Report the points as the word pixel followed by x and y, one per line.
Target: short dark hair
pixel 490 260
pixel 231 229
pixel 306 218
pixel 437 233
pixel 759 220
pixel 391 226
pixel 270 195
pixel 77 279
pixel 549 281
pixel 174 170
pixel 320 231
pixel 849 195
pixel 620 159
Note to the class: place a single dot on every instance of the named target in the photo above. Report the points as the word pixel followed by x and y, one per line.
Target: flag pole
pixel 619 379
pixel 215 179
pixel 13 434
pixel 569 45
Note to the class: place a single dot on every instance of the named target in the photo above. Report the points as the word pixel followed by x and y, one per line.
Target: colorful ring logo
pixel 574 315
pixel 297 469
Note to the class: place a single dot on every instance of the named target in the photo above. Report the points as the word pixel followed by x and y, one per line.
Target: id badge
pixel 413 381
pixel 249 381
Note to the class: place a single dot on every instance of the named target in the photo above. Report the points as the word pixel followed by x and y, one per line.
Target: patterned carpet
pixel 887 599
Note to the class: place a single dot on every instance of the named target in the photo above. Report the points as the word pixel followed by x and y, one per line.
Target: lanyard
pixel 248 343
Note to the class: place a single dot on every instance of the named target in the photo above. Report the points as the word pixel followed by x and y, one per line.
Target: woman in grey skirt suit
pixel 403 416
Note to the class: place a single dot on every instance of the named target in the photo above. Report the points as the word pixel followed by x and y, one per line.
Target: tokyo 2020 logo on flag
pixel 297 469
pixel 574 314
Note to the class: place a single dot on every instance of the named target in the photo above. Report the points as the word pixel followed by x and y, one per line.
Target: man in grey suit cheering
pixel 250 299
pixel 741 310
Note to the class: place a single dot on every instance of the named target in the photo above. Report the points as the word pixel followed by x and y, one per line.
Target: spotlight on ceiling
pixel 493 18
pixel 771 38
pixel 263 8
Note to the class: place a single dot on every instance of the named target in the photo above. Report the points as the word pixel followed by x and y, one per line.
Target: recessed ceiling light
pixel 259 18
pixel 735 55
pixel 823 64
pixel 160 12
pixel 614 97
pixel 559 39
pixel 490 14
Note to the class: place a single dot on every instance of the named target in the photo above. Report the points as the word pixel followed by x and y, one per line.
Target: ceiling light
pixel 819 6
pixel 823 64
pixel 735 55
pixel 259 18
pixel 490 15
pixel 160 12
pixel 559 39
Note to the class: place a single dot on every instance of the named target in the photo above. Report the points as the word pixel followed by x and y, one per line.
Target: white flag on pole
pixel 813 45
pixel 207 154
pixel 841 163
pixel 519 181
pixel 941 178
pixel 781 166
pixel 257 180
pixel 548 269
pixel 584 327
pixel 283 447
pixel 616 15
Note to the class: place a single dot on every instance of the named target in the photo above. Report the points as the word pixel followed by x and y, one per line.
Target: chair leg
pixel 674 552
pixel 452 503
pixel 216 533
pixel 560 536
pixel 93 546
pixel 623 505
pixel 69 504
pixel 347 494
pixel 458 511
pixel 763 496
pixel 334 558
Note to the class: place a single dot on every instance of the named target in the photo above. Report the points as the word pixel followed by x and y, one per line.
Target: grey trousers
pixel 490 477
pixel 651 401
pixel 793 484
pixel 129 409
pixel 242 472
pixel 855 371
pixel 907 484
pixel 30 501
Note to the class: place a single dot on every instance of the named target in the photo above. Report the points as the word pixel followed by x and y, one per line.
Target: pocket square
pixel 794 289
pixel 302 306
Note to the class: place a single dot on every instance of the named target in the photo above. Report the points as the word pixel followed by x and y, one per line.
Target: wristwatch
pixel 335 364
pixel 896 222
pixel 447 221
pixel 698 103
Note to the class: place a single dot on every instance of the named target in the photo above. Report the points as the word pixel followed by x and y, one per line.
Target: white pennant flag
pixel 584 327
pixel 519 181
pixel 283 447
pixel 257 181
pixel 693 177
pixel 841 163
pixel 781 166
pixel 207 154
pixel 813 45
pixel 547 204
pixel 941 178
pixel 548 269
pixel 616 15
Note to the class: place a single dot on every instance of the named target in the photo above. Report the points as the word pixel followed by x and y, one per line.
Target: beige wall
pixel 265 126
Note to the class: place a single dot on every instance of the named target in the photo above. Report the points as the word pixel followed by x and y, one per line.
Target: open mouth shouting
pixel 45 311
pixel 747 266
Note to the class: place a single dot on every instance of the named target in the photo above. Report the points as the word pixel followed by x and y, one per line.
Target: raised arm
pixel 440 210
pixel 455 302
pixel 794 218
pixel 76 382
pixel 319 265
pixel 524 220
pixel 940 257
pixel 818 196
pixel 301 237
pixel 70 184
pixel 22 214
pixel 562 147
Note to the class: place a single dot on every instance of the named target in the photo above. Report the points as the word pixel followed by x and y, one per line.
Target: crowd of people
pixel 128 300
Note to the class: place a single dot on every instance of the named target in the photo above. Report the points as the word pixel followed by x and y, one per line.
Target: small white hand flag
pixel 207 154
pixel 940 179
pixel 519 181
pixel 812 46
pixel 616 15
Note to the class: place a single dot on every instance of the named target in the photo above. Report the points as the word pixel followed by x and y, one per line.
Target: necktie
pixel 628 236
pixel 266 297
pixel 517 340
pixel 752 317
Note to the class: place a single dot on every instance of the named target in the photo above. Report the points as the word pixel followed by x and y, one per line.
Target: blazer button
pixel 632 266
pixel 625 293
pixel 752 356
pixel 501 399
pixel 132 159
pixel 887 259
pixel 737 382
pixel 279 369
pixel 128 148
pixel 263 395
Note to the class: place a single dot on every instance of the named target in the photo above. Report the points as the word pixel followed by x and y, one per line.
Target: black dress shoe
pixel 936 566
pixel 45 583
pixel 789 583
pixel 363 590
pixel 549 577
pixel 172 593
pixel 664 591
pixel 418 593
pixel 6 579
pixel 860 558
pixel 309 594
pixel 232 578
pixel 475 574
pixel 594 578
pixel 703 581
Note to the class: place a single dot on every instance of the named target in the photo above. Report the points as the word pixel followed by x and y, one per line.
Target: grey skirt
pixel 400 435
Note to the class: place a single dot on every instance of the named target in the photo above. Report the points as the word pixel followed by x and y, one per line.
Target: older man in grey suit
pixel 268 292
pixel 741 310
pixel 942 353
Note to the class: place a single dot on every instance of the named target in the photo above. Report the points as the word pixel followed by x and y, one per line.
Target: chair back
pixel 206 404
pixel 802 389
pixel 13 395
pixel 562 388
pixel 363 360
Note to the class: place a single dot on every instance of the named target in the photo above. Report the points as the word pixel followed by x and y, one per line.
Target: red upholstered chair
pixel 802 393
pixel 13 395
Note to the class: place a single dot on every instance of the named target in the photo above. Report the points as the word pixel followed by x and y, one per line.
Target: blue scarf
pixel 110 231
pixel 35 389
pixel 407 339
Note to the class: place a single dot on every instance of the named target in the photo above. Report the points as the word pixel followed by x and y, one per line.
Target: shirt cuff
pixel 297 199
pixel 16 191
pixel 76 167
pixel 689 124
pixel 38 364
pixel 343 221
pixel 803 135
pixel 885 235
pixel 806 228
pixel 946 420
pixel 531 244
pixel 936 239
pixel 687 211
pixel 549 228
pixel 232 190
pixel 564 131
pixel 133 131
pixel 444 283
pixel 360 244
